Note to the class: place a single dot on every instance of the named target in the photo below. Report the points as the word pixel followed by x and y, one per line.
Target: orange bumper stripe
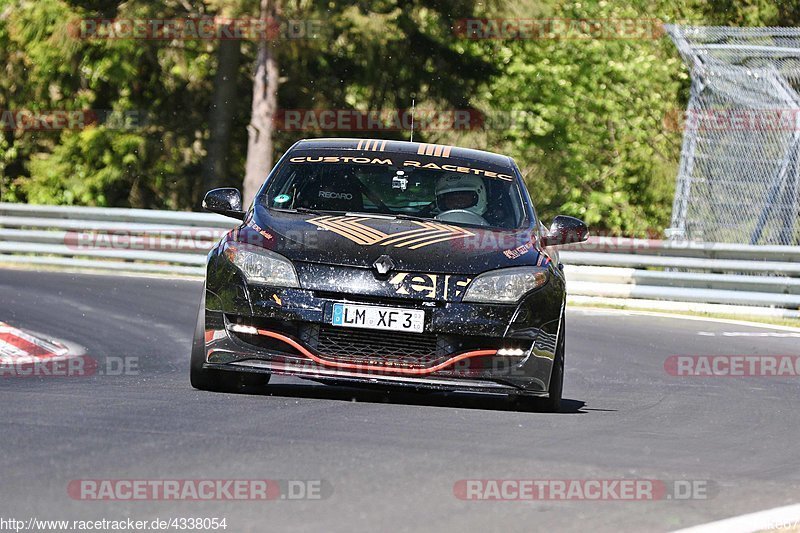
pixel 377 368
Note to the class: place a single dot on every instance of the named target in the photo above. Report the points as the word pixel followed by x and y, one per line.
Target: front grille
pixel 374 346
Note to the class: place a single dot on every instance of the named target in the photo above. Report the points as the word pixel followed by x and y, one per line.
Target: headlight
pixel 261 266
pixel 505 286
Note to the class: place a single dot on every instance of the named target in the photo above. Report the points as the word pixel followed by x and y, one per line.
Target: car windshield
pixel 461 192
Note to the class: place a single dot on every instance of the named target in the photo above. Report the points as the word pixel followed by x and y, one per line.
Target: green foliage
pixel 584 118
pixel 589 121
pixel 148 156
pixel 91 167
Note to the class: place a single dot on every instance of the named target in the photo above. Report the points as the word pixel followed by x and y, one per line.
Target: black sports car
pixel 386 263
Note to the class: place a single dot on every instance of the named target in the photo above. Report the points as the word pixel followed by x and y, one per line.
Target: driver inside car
pixel 456 194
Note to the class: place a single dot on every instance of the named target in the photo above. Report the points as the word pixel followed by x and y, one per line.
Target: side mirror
pixel 225 201
pixel 565 230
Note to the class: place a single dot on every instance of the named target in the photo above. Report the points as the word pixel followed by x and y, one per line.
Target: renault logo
pixel 383 264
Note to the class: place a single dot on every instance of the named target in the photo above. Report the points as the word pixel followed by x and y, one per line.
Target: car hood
pixel 414 246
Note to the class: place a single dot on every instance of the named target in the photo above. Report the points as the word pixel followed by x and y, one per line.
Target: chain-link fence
pixel 739 175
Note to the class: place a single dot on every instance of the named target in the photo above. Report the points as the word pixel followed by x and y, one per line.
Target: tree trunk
pixel 215 166
pixel 265 103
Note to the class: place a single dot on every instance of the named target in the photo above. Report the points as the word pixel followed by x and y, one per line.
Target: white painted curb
pixel 772 519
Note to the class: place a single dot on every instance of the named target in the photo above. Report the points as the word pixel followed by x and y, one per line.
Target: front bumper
pixel 475 347
pixel 337 377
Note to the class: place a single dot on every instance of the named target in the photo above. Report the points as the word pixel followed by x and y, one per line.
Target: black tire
pixel 552 403
pixel 218 380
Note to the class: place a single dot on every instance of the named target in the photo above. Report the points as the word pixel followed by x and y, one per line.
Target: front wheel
pixel 553 401
pixel 212 379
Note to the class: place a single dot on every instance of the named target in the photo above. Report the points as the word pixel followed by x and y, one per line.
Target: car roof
pixel 403 147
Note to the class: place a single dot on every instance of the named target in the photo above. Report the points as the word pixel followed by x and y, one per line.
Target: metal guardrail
pixel 132 240
pixel 164 242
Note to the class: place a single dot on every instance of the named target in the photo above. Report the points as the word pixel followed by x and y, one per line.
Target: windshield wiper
pixel 405 216
pixel 308 211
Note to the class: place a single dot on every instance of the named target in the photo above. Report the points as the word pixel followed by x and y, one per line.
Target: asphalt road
pixel 391 460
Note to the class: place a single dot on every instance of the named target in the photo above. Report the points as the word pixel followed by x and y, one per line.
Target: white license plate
pixel 372 317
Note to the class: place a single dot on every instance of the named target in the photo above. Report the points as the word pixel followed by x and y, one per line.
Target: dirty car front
pixel 386 262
